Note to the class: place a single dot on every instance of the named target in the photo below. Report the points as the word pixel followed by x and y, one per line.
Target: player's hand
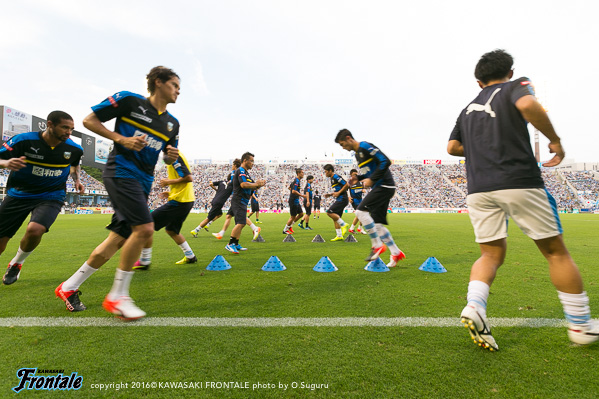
pixel 15 164
pixel 336 194
pixel 79 187
pixel 164 195
pixel 327 195
pixel 558 150
pixel 172 152
pixel 135 143
pixel 165 182
pixel 261 183
pixel 367 182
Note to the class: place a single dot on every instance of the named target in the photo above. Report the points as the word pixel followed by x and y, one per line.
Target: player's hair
pixel 342 135
pixel 352 171
pixel 494 65
pixel 298 170
pixel 159 72
pixel 316 192
pixel 329 167
pixel 237 162
pixel 310 177
pixel 246 155
pixel 57 116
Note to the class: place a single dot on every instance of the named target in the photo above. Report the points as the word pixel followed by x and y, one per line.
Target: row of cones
pixel 325 265
pixel 317 238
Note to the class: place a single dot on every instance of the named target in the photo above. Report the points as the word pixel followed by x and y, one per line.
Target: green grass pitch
pixel 330 362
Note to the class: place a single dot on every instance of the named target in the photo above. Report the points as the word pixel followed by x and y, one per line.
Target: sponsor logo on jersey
pixel 7 146
pixel 142 109
pixel 142 117
pixel 34 156
pixel 45 172
pixel 113 101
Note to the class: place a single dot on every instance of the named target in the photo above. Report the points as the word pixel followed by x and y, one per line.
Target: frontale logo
pixel 42 125
pixel 28 379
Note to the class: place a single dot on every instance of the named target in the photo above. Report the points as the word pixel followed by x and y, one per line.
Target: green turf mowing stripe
pixel 271 322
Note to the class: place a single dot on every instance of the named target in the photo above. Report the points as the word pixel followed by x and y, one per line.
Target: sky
pixel 281 78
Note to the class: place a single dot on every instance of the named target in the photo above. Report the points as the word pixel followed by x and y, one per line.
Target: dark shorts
pixel 215 211
pixel 295 209
pixel 308 209
pixel 14 211
pixel 255 206
pixel 239 211
pixel 130 204
pixel 338 207
pixel 377 202
pixel 171 215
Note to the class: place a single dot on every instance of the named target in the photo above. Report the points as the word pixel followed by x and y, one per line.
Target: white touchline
pixel 266 322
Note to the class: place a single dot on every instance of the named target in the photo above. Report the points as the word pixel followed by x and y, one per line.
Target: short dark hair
pixel 329 167
pixel 159 72
pixel 315 191
pixel 298 170
pixel 246 155
pixel 310 177
pixel 493 65
pixel 343 133
pixel 353 170
pixel 237 162
pixel 57 116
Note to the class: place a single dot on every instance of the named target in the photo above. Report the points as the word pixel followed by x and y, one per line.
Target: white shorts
pixel 533 209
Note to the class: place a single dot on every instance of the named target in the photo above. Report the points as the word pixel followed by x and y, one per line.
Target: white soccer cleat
pixel 123 308
pixel 396 258
pixel 257 233
pixel 584 335
pixel 217 235
pixel 479 328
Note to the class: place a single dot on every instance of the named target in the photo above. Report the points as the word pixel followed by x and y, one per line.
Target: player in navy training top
pixel 255 206
pixel 317 198
pixel 40 164
pixel 356 192
pixel 295 208
pixel 242 191
pixel 224 189
pixel 504 180
pixel 372 211
pixel 307 203
pixel 143 129
pixel 339 186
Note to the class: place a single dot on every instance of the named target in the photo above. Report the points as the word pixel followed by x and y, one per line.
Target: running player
pixel 504 180
pixel 223 189
pixel 355 192
pixel 242 191
pixel 143 129
pixel 335 212
pixel 40 164
pixel 372 211
pixel 172 214
pixel 307 203
pixel 295 209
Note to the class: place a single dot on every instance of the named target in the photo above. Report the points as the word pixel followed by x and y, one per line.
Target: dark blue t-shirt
pixel 374 165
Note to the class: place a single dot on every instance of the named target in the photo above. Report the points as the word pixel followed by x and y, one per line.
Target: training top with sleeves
pixel 241 195
pixel 356 191
pixel 47 168
pixel 294 198
pixel 337 183
pixel 317 201
pixel 308 190
pixel 136 116
pixel 180 192
pixel 496 141
pixel 374 165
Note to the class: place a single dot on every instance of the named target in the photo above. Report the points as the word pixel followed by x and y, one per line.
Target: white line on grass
pixel 270 322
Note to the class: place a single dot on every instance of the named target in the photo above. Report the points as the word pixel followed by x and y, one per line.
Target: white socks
pixel 120 287
pixel 78 278
pixel 20 257
pixel 478 293
pixel 576 307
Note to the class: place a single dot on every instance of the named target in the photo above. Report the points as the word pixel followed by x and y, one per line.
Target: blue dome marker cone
pixel 325 265
pixel 218 263
pixel 273 264
pixel 376 265
pixel 432 265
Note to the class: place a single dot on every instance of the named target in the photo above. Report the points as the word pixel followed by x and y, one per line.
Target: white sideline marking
pixel 270 322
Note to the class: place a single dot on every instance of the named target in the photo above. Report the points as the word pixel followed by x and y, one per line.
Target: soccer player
pixel 307 203
pixel 172 214
pixel 223 189
pixel 335 212
pixel 317 198
pixel 255 207
pixel 295 209
pixel 355 192
pixel 143 129
pixel 372 211
pixel 505 181
pixel 39 164
pixel 242 190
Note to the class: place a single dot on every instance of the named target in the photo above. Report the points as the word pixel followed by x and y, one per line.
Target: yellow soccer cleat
pixel 337 239
pixel 344 230
pixel 194 233
pixel 186 260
